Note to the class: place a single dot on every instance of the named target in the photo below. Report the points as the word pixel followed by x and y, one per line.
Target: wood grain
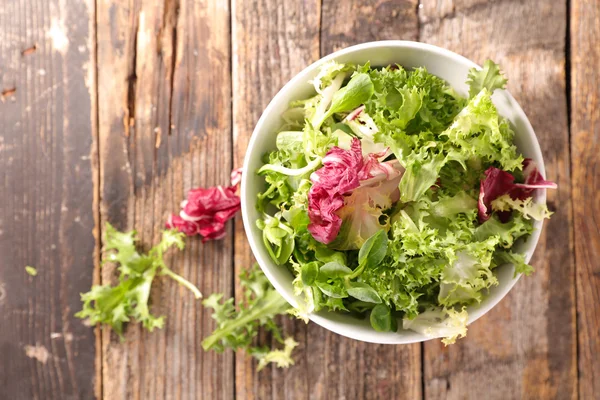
pixel 345 23
pixel 585 161
pixel 271 42
pixel 46 216
pixel 152 100
pixel 165 127
pixel 270 46
pixel 358 370
pixel 526 346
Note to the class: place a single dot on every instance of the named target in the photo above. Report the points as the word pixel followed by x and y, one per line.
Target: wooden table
pixel 112 110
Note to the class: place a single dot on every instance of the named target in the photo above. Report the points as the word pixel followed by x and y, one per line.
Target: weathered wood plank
pixel 46 216
pixel 270 46
pixel 165 117
pixel 585 163
pixel 526 346
pixel 352 22
pixel 272 41
pixel 353 369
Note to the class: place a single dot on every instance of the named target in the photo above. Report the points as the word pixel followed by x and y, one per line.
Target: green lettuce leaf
pixel 238 325
pixel 422 171
pixel 463 281
pixel 128 300
pixel 505 233
pixel 478 131
pixel 358 90
pixel 489 77
pixel 448 206
pixel 278 238
pixel 441 322
pixel 527 207
pixel 281 358
pixel 328 72
pixel 518 260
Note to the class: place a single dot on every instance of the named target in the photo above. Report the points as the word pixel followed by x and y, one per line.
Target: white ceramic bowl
pixel 443 63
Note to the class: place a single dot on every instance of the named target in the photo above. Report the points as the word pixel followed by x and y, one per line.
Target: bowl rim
pixel 477 311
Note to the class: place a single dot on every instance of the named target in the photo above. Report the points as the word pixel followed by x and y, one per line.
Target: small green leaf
pixel 334 304
pixel 382 319
pixel 335 291
pixel 128 300
pixel 411 100
pixel 373 250
pixel 335 270
pixel 299 219
pixel 282 358
pixel 326 255
pixel 363 292
pixel 31 271
pixel 170 237
pixel 279 243
pixel 237 324
pixel 287 248
pixel 274 234
pixel 356 92
pixel 289 141
pixel 422 171
pixel 309 273
pixel 527 207
pixel 360 306
pixel 489 77
pixel 342 127
pixel 518 260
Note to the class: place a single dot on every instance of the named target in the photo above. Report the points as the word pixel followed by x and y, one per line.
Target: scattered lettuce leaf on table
pixel 238 325
pixel 31 271
pixel 128 300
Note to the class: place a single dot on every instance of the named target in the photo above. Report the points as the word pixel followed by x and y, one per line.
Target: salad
pixel 392 197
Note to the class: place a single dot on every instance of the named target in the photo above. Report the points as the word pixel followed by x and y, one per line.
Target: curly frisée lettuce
pixel 237 327
pixel 391 197
pixel 129 299
pixel 238 324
